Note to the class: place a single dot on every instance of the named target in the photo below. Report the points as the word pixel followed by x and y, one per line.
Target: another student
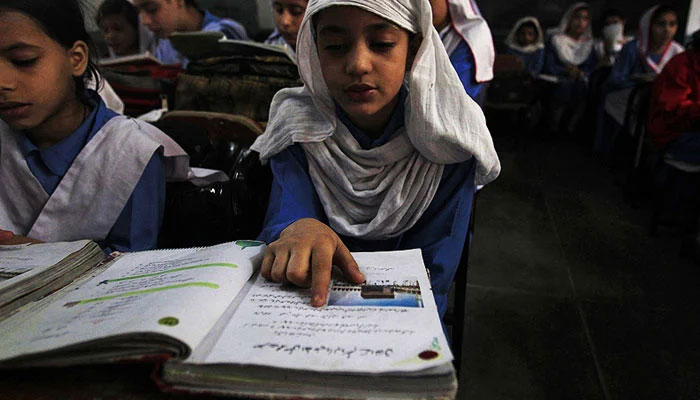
pixel 467 39
pixel 165 17
pixel 526 41
pixel 640 61
pixel 674 112
pixel 119 23
pixel 70 167
pixel 379 150
pixel 288 15
pixel 608 46
pixel 569 55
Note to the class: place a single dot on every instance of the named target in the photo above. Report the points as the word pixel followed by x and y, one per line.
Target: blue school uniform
pixel 440 232
pixel 567 91
pixel 462 60
pixel 167 54
pixel 533 61
pixel 138 225
pixel 628 63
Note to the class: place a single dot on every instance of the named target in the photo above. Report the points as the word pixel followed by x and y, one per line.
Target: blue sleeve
pixel 139 223
pixel 233 30
pixel 621 72
pixel 552 64
pixel 590 64
pixel 441 232
pixel 292 196
pixel 538 62
pixel 463 62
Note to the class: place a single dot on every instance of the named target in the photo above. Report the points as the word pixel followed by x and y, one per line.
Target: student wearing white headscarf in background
pixel 569 56
pixel 379 150
pixel 467 39
pixel 526 41
pixel 640 61
pixel 288 15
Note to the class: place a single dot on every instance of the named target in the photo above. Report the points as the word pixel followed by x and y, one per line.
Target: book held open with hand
pixel 224 329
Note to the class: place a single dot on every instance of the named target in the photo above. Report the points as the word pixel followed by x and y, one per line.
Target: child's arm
pixel 9 238
pixel 304 255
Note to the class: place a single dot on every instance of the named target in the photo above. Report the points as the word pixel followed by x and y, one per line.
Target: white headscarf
pixel 467 24
pixel 570 50
pixel 512 38
pixel 644 39
pixel 381 192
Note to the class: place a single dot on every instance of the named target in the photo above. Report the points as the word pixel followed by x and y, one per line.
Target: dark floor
pixel 568 296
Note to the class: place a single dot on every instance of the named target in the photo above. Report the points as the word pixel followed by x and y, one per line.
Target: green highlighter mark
pixel 143 291
pixel 170 271
pixel 249 243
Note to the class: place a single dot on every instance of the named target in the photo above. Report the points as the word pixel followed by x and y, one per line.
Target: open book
pixel 226 330
pixel 200 44
pixel 141 59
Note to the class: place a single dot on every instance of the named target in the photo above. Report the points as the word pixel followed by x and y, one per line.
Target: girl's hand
pixel 304 255
pixel 9 238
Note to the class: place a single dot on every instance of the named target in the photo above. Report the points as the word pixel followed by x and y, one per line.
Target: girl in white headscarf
pixel 640 61
pixel 570 57
pixel 467 39
pixel 379 150
pixel 526 41
pixel 288 15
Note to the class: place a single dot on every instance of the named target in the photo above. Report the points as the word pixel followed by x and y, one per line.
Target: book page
pixel 389 324
pixel 180 293
pixel 19 259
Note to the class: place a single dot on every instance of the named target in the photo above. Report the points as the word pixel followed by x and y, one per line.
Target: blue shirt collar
pixel 59 157
pixel 395 123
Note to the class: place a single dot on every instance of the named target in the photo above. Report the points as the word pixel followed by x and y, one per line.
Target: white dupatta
pixel 572 51
pixel 512 38
pixel 381 192
pixel 644 42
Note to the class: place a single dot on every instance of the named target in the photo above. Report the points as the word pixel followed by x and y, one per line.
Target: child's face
pixel 36 73
pixel 526 35
pixel 664 28
pixel 160 16
pixel 363 60
pixel 120 36
pixel 288 16
pixel 579 23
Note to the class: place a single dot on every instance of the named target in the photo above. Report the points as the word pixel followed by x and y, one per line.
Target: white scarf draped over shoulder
pixel 572 51
pixel 381 192
pixel 512 38
pixel 643 44
pixel 467 24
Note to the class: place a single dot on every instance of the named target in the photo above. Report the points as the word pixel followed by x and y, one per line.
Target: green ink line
pixel 144 291
pixel 170 271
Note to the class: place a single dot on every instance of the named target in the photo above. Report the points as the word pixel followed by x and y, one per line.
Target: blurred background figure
pixel 526 41
pixel 570 57
pixel 119 23
pixel 288 15
pixel 609 45
pixel 165 17
pixel 467 39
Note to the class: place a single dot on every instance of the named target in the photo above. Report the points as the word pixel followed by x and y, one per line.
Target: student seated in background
pixel 609 45
pixel 526 41
pixel 640 61
pixel 379 150
pixel 70 167
pixel 569 55
pixel 288 15
pixel 165 17
pixel 119 23
pixel 467 39
pixel 674 112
